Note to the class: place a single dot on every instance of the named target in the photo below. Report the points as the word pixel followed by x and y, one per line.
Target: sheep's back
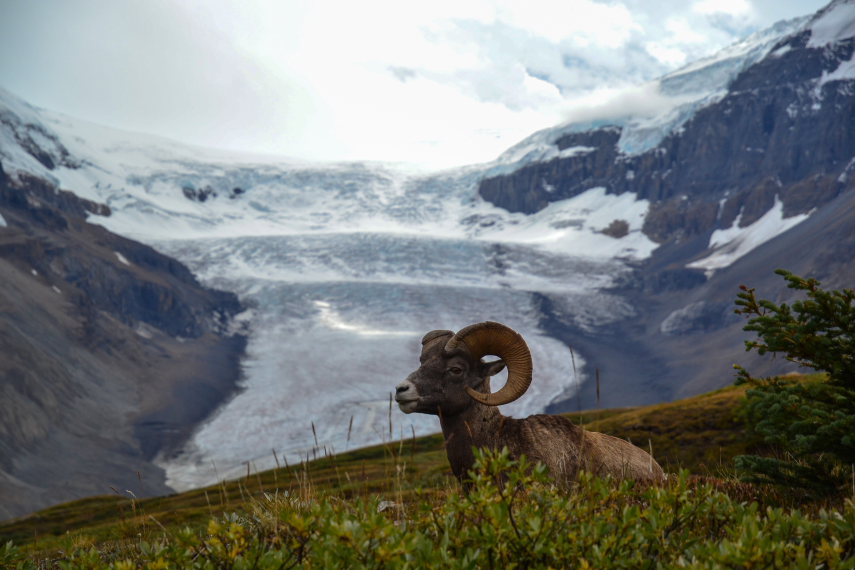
pixel 608 455
pixel 565 448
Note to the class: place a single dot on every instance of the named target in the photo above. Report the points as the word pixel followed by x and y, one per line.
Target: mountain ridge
pixel 787 130
pixel 781 137
pixel 91 328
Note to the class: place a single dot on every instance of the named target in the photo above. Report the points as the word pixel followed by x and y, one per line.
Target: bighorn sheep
pixel 453 382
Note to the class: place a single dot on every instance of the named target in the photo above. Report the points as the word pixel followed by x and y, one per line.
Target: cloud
pixel 640 101
pixel 402 73
pixel 144 66
pixel 521 70
pixel 731 7
pixel 439 83
pixel 584 23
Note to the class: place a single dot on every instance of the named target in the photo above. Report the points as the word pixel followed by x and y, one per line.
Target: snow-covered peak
pixel 713 73
pixel 832 24
pixel 673 100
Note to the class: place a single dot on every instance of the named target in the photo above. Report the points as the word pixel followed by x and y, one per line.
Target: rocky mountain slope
pixel 111 352
pixel 757 178
pixel 782 129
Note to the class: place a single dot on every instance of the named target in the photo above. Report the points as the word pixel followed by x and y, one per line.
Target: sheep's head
pixel 452 374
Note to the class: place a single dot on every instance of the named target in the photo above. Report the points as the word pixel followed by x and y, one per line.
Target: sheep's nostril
pixel 400 389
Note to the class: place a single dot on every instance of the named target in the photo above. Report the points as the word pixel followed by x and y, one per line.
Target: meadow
pixel 396 505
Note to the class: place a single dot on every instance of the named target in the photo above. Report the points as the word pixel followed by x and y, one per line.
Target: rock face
pixel 783 131
pixel 111 352
pixel 779 131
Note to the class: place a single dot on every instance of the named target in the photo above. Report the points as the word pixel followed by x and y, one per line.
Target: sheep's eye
pixel 456 370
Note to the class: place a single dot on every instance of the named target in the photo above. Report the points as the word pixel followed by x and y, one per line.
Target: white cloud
pixel 681 31
pixel 668 55
pixel 584 22
pixel 442 82
pixel 732 7
pixel 609 104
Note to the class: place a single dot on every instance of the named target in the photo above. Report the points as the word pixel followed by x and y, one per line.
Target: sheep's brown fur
pixel 438 387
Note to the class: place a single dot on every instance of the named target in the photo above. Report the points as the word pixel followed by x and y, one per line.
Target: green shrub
pixel 516 520
pixel 810 423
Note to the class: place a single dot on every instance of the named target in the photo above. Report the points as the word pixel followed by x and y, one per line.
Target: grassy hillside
pixel 700 435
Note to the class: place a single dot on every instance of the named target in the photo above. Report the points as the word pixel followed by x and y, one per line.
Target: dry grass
pixel 701 434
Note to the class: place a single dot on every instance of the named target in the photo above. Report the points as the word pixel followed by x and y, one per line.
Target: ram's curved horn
pixel 434 335
pixel 497 339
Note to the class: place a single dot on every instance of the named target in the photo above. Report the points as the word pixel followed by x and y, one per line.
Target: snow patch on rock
pixel 835 23
pixel 730 244
pixel 122 259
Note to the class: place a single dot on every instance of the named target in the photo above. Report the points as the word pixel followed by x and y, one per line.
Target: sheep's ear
pixel 492 368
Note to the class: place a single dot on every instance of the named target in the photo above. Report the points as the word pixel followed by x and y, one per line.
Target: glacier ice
pixel 344 267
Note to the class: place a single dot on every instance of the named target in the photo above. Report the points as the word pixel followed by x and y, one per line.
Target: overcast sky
pixel 435 83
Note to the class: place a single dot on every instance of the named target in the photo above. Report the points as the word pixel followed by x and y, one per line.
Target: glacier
pixel 343 291
pixel 343 268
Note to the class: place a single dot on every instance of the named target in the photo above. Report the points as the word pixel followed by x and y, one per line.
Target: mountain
pixel 111 352
pixel 615 246
pixel 343 266
pixel 757 177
